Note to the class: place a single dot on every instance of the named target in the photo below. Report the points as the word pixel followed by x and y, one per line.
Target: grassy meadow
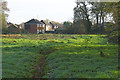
pixel 66 56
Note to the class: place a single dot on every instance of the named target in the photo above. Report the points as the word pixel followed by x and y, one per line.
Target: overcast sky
pixel 55 10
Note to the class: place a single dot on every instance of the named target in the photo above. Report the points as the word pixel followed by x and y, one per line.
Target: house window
pixel 37 25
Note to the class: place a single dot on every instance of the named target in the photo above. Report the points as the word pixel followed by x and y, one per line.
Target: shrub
pixel 113 37
pixel 40 33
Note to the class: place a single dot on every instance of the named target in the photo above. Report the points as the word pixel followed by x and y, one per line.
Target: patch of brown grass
pixel 7 35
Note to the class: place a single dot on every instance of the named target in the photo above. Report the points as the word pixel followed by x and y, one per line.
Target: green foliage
pixel 78 27
pixel 114 37
pixel 3 15
pixel 3 23
pixel 109 27
pixel 114 8
pixel 67 23
pixel 65 29
pixel 96 12
pixel 82 26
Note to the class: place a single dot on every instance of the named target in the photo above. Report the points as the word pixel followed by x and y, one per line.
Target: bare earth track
pixel 39 68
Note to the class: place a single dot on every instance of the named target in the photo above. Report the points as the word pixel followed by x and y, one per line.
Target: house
pixel 56 25
pixel 13 28
pixel 21 26
pixel 49 25
pixel 34 26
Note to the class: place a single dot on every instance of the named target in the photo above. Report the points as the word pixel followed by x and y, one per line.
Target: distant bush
pixel 77 27
pixel 49 32
pixel 109 27
pixel 5 31
pixel 40 33
pixel 65 29
pixel 22 31
pixel 114 37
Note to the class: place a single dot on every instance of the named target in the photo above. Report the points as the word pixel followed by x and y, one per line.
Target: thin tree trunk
pixel 97 18
pixel 101 16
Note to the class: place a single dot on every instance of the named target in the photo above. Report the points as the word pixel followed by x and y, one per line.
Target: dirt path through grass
pixel 38 73
pixel 39 68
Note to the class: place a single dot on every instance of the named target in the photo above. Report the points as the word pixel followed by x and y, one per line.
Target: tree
pixel 79 26
pixel 81 12
pixel 54 22
pixel 4 23
pixel 98 14
pixel 67 23
pixel 114 9
pixel 3 15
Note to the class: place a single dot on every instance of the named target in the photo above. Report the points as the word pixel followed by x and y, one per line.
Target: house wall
pixel 40 26
pixel 49 28
pixel 31 28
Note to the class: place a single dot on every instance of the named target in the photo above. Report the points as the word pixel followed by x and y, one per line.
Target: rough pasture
pixel 65 56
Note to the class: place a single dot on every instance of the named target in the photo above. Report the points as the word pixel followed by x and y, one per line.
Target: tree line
pixel 94 18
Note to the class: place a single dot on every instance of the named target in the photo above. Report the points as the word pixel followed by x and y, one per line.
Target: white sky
pixel 55 10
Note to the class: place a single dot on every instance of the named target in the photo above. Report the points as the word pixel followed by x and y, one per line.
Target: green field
pixel 66 56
